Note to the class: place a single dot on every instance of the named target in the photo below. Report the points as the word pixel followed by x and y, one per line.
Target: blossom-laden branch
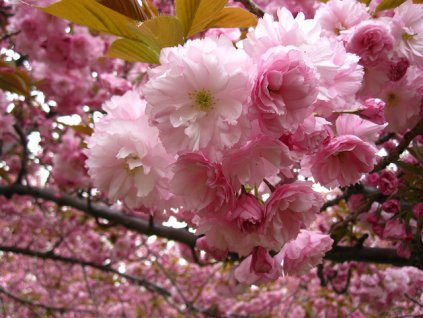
pixel 101 211
pixel 30 303
pixel 337 254
pixel 74 261
pixel 405 142
pixel 391 157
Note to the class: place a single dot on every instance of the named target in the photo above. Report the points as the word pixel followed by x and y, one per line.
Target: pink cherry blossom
pixel 232 234
pixel 397 68
pixel 303 253
pixel 286 31
pixel 262 157
pixel 232 34
pixel 202 244
pixel 388 182
pixel 372 41
pixel 338 15
pixel 124 158
pixel 258 268
pixel 68 163
pixel 407 28
pixel 310 135
pixel 238 230
pixel 248 213
pixel 213 194
pixel 115 85
pixel 395 230
pixel 391 206
pixel 349 124
pixel 403 101
pixel 373 109
pixel 285 88
pixel 306 7
pixel 342 161
pixel 197 95
pixel 289 208
pixel 372 179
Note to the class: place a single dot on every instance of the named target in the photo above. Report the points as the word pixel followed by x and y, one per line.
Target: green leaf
pixel 132 51
pixel 388 4
pixel 234 18
pixel 195 15
pixel 92 14
pixel 14 80
pixel 165 30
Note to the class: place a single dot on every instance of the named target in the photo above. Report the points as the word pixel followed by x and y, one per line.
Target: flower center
pixel 407 37
pixel 203 100
pixel 391 99
pixel 132 164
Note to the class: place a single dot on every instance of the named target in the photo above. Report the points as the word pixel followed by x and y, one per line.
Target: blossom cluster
pixel 217 124
pixel 274 145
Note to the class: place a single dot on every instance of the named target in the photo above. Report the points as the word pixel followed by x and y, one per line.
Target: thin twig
pixel 404 143
pixel 52 256
pixel 30 303
pixel 253 7
pixel 24 159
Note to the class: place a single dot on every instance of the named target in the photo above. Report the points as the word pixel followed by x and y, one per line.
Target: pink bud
pixel 373 110
pixel 418 210
pixel 261 261
pixel 218 254
pixel 248 214
pixel 391 206
pixel 397 69
pixel 388 182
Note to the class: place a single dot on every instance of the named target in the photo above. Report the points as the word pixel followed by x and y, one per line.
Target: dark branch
pixel 30 303
pixel 392 157
pixel 269 185
pixel 251 6
pixel 356 188
pixel 378 255
pixel 74 261
pixel 24 158
pixel 338 254
pixel 101 211
pixel 385 138
pixel 405 142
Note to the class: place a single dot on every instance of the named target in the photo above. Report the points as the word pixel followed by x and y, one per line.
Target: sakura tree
pixel 211 158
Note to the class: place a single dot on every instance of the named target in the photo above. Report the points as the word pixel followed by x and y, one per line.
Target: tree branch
pixel 391 157
pixel 378 255
pixel 28 302
pixel 101 211
pixel 404 143
pixel 251 6
pixel 24 158
pixel 337 254
pixel 74 261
